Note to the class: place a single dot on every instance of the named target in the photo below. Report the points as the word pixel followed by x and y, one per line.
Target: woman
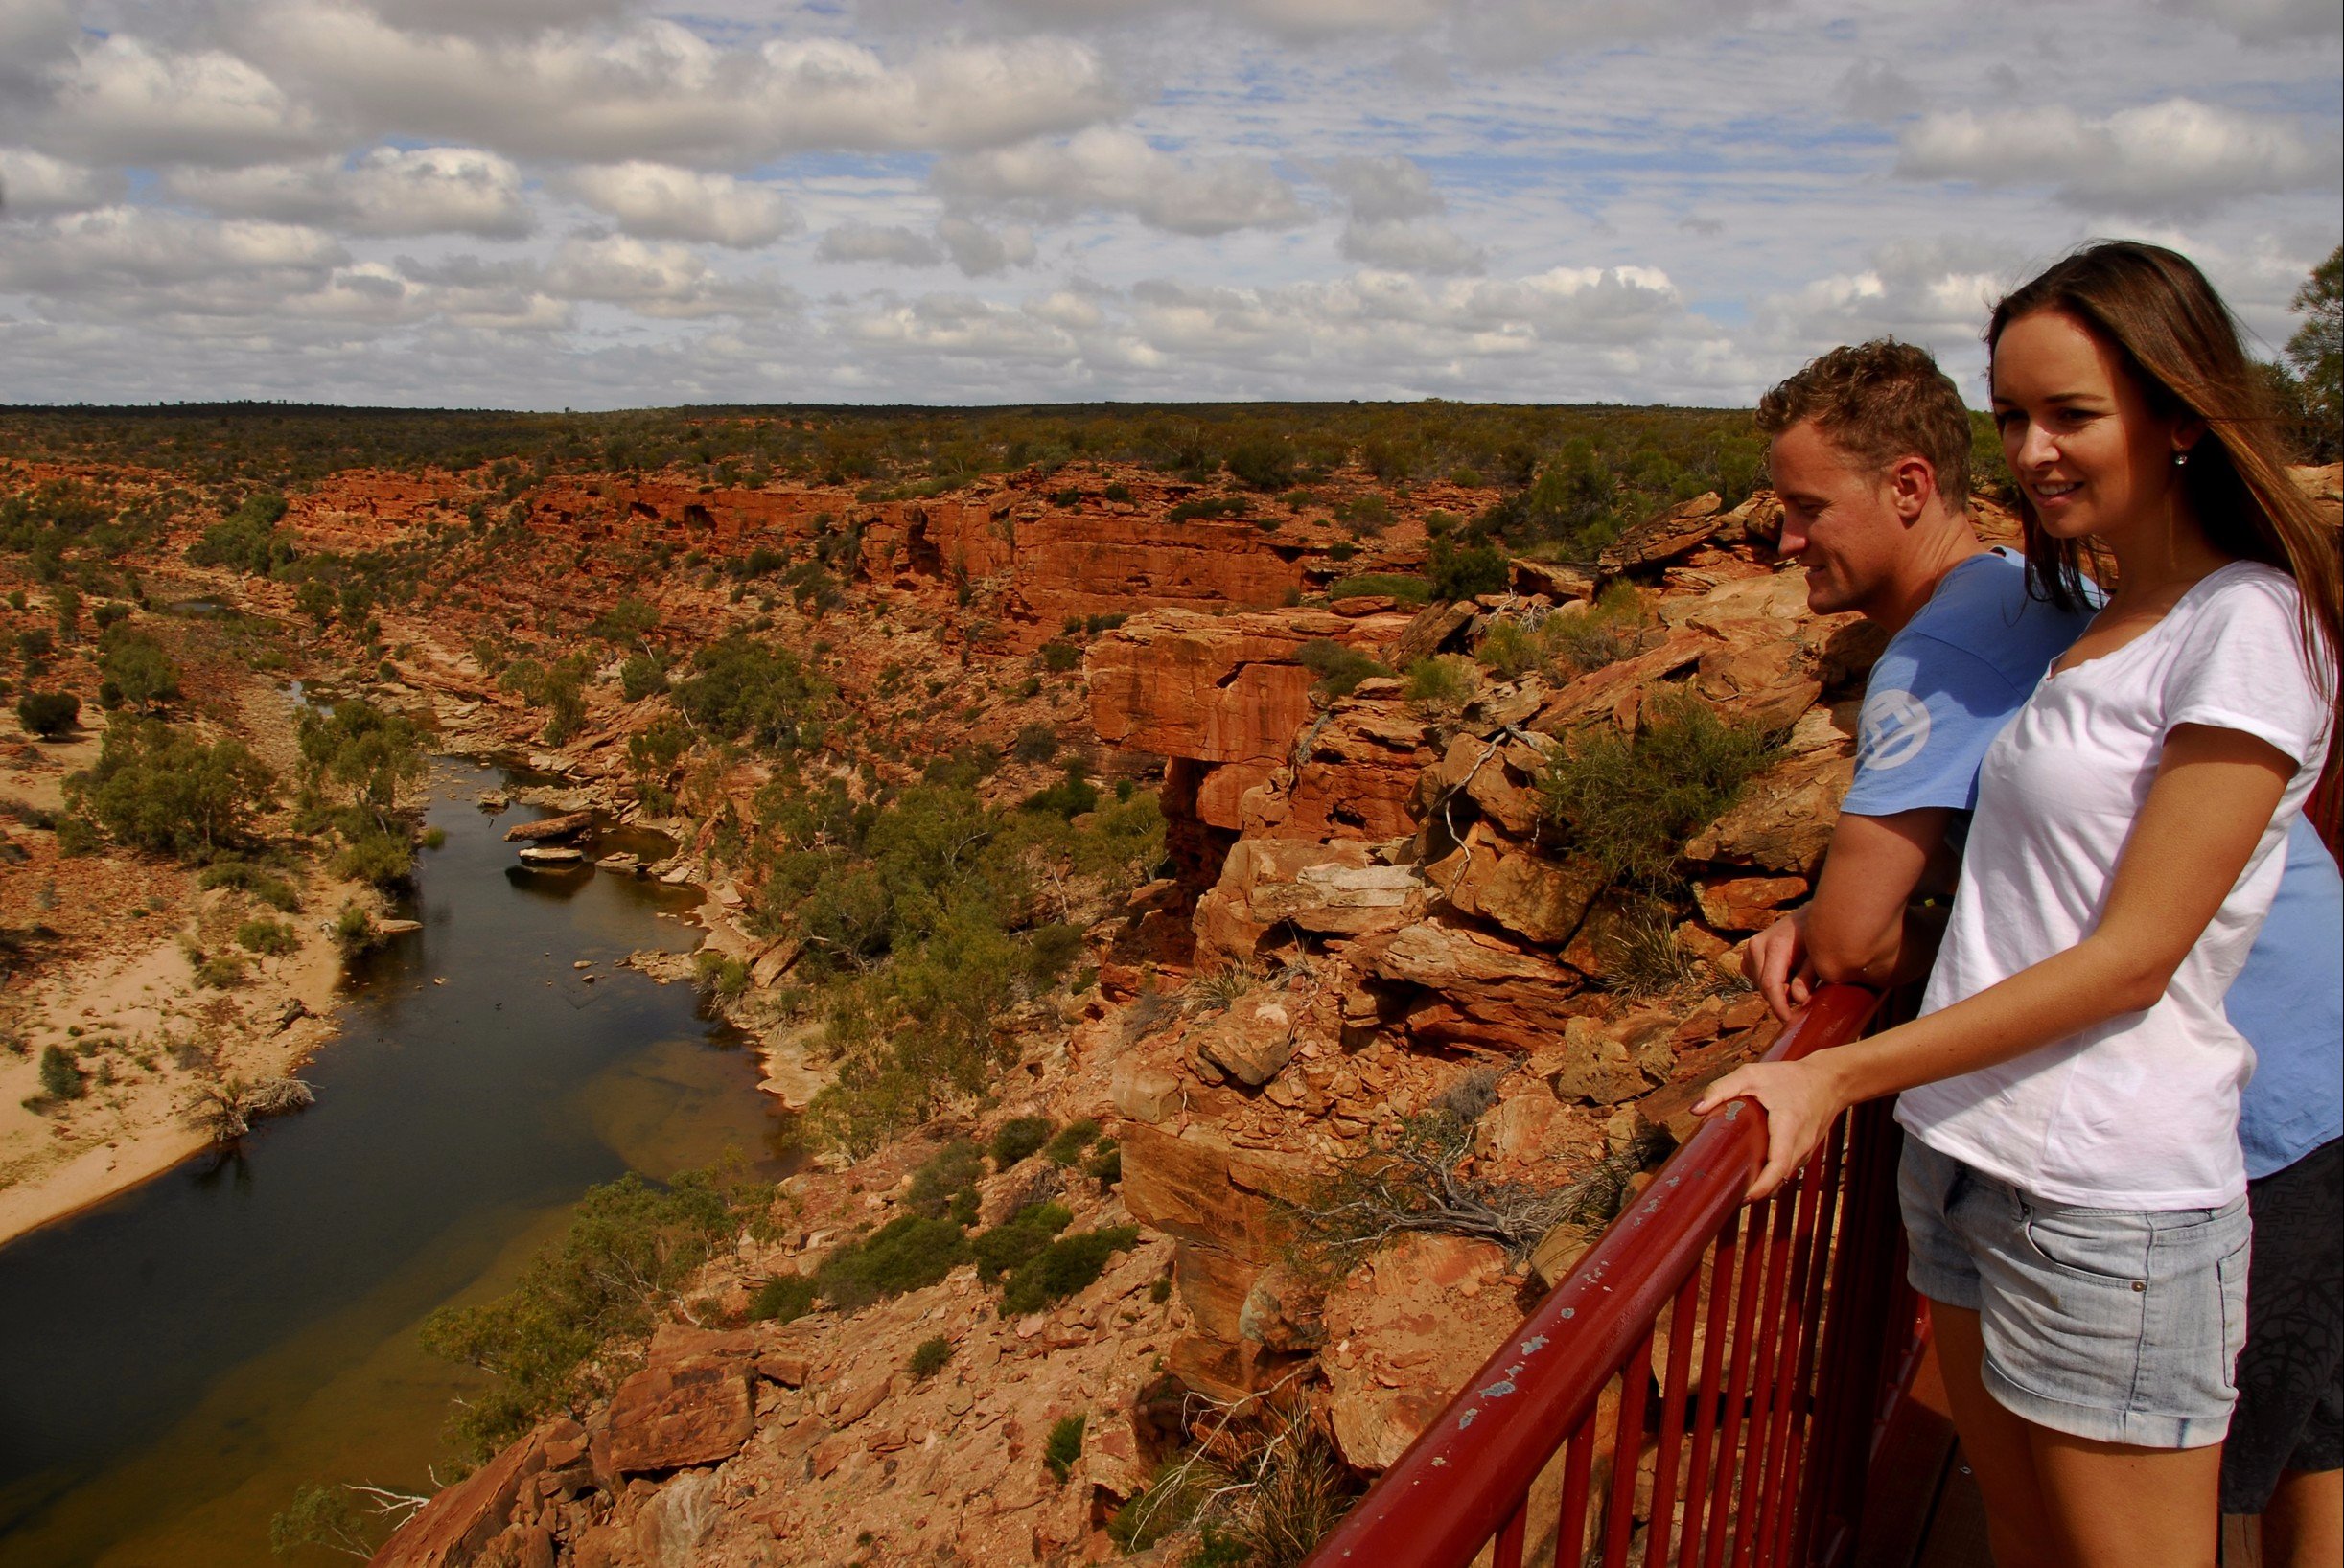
pixel 2073 1187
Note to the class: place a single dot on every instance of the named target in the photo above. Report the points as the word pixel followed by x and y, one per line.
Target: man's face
pixel 1839 517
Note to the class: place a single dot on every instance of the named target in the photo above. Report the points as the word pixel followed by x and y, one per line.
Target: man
pixel 1870 457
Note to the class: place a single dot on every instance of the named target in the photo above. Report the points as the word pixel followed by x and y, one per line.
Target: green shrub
pixel 908 1253
pixel 355 928
pixel 59 1077
pixel 1632 801
pixel 379 859
pixel 135 669
pixel 1106 1165
pixel 929 1357
pixel 48 714
pixel 1058 656
pixel 630 1245
pixel 220 971
pixel 1340 669
pixel 1063 1446
pixel 642 676
pixel 1381 585
pixel 1464 574
pixel 1443 683
pixel 725 979
pixel 744 688
pixel 1017 1238
pixel 1069 797
pixel 1071 1139
pixel 249 538
pixel 267 936
pixel 155 788
pixel 1262 463
pixel 1607 631
pixel 1365 515
pixel 1509 649
pixel 260 883
pixel 1019 1137
pixel 1035 743
pixel 947 1183
pixel 784 1297
pixel 1063 1267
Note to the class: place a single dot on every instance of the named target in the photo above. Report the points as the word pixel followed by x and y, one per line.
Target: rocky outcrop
pixel 1408 1328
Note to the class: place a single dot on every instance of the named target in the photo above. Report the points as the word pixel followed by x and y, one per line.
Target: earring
pixel 2181 459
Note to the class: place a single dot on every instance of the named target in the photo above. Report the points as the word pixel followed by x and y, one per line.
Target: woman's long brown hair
pixel 2182 347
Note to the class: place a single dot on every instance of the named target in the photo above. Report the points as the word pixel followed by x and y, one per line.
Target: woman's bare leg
pixel 2303 1524
pixel 2114 1505
pixel 1998 1445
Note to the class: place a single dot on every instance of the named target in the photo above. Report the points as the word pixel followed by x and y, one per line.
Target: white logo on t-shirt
pixel 1894 728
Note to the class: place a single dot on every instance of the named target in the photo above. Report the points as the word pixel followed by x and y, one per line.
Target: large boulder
pixel 1664 536
pixel 1539 898
pixel 1488 991
pixel 696 1411
pixel 1217 1203
pixel 1782 823
pixel 1213 689
pixel 1616 692
pixel 1354 776
pixel 1252 1042
pixel 1324 888
pixel 453 1528
pixel 1407 1329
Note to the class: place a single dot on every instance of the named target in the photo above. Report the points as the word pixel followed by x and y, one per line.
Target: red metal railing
pixel 1706 1387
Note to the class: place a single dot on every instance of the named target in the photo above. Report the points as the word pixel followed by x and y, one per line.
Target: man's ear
pixel 1912 484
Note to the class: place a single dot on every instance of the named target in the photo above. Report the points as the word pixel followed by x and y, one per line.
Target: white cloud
pixel 126 101
pixel 2176 158
pixel 978 250
pixel 1874 90
pixel 1117 170
pixel 434 190
pixel 1392 203
pixel 2266 21
pixel 655 89
pixel 33 184
pixel 119 248
pixel 655 279
pixel 890 243
pixel 1410 245
pixel 658 202
pixel 34 35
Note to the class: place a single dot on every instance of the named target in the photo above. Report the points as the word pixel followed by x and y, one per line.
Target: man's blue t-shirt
pixel 1943 690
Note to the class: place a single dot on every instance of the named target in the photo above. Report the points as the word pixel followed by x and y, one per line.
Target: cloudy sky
pixel 603 203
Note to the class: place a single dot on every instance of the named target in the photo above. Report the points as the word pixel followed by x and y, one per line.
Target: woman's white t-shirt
pixel 2140 1112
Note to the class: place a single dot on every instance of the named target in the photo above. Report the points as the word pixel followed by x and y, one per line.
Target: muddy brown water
pixel 176 1363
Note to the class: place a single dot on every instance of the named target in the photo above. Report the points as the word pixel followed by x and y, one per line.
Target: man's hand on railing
pixel 1776 961
pixel 1802 1100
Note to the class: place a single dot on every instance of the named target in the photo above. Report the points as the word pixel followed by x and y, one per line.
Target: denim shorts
pixel 2118 1324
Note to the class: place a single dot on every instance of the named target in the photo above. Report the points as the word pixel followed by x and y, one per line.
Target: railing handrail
pixel 1469 1469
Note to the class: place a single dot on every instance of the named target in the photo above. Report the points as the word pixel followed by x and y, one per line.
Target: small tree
pixel 60 1079
pixel 48 714
pixel 2317 352
pixel 135 671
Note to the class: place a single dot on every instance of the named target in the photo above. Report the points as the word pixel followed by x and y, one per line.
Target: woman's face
pixel 2081 438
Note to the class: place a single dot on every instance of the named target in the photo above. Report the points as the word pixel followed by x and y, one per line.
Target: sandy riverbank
pixel 112 984
pixel 131 1017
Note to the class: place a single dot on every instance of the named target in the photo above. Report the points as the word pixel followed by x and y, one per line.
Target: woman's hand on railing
pixel 1802 1100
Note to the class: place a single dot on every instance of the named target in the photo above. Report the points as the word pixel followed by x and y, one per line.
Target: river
pixel 174 1363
